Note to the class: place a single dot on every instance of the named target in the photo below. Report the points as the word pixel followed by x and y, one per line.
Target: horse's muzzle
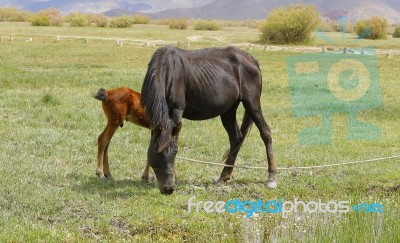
pixel 167 189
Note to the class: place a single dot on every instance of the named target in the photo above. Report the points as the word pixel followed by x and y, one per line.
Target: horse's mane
pixel 153 98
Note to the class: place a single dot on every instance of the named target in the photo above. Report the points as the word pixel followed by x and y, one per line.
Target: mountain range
pixel 214 9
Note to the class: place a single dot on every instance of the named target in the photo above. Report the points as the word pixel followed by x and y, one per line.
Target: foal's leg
pixel 103 168
pixel 145 175
pixel 106 165
pixel 235 137
pixel 254 108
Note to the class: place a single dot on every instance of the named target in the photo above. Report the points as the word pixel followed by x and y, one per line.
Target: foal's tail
pixel 247 122
pixel 101 95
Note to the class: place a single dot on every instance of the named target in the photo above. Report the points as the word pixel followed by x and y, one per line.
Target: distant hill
pixel 98 6
pixel 224 9
pixel 215 9
pixel 258 9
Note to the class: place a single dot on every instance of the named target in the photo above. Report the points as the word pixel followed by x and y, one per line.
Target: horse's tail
pixel 246 126
pixel 247 122
pixel 101 95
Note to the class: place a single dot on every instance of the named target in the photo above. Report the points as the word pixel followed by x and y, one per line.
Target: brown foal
pixel 119 105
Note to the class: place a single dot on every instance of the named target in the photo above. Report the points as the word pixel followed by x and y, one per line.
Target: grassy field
pixel 49 124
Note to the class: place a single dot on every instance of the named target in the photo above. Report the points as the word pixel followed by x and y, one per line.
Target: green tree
pixel 54 15
pixel 47 17
pixel 206 25
pixel 290 25
pixel 13 15
pixel 396 33
pixel 121 22
pixel 140 19
pixel 100 20
pixel 39 20
pixel 77 20
pixel 372 28
pixel 179 24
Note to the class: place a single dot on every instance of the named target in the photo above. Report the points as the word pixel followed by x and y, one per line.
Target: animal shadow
pixel 113 188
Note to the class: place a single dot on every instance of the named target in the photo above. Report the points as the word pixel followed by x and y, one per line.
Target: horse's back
pixel 204 82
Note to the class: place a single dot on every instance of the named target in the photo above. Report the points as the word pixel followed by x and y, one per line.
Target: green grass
pixel 351 40
pixel 49 125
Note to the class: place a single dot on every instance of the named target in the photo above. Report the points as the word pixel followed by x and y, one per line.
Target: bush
pixel 121 22
pixel 326 26
pixel 39 20
pixel 336 26
pixel 206 25
pixel 256 24
pixel 290 25
pixel 54 15
pixel 372 28
pixel 396 33
pixel 178 24
pixel 140 19
pixel 100 20
pixel 78 20
pixel 13 15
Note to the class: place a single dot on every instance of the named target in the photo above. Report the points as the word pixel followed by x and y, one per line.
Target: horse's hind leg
pixel 103 168
pixel 235 138
pixel 254 108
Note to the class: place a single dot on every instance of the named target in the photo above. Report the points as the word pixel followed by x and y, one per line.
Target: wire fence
pixel 294 167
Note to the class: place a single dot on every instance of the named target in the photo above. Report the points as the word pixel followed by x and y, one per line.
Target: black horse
pixel 198 85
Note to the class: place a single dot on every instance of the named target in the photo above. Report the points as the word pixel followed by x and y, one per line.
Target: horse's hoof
pixel 145 178
pixel 222 180
pixel 271 184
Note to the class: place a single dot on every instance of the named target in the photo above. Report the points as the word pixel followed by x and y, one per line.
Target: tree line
pixel 293 24
pixel 54 17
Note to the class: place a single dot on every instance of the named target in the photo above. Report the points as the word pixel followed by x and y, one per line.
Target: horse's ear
pixel 177 129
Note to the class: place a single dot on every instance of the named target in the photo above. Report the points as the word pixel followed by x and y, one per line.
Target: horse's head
pixel 161 155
